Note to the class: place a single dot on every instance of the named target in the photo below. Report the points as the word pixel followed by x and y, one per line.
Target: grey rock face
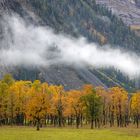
pixel 137 3
pixel 127 10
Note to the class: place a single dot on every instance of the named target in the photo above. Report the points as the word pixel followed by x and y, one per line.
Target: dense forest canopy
pixel 35 103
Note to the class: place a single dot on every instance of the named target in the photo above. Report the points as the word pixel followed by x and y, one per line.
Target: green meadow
pixel 26 133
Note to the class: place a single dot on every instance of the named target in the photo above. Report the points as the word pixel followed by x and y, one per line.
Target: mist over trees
pixel 93 21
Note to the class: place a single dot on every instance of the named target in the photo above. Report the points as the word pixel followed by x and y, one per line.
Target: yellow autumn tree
pixel 103 93
pixel 38 105
pixel 118 106
pixel 57 104
pixel 74 105
pixel 4 89
pixel 135 108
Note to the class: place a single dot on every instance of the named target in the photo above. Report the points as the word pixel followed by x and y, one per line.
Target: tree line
pixel 40 104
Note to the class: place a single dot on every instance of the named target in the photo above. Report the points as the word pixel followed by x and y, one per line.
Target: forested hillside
pixel 85 17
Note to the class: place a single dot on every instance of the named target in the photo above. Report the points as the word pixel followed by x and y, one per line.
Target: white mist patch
pixel 30 45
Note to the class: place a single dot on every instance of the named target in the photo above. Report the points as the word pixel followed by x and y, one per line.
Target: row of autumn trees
pixel 39 104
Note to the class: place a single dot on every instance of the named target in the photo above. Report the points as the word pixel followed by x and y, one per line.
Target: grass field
pixel 22 133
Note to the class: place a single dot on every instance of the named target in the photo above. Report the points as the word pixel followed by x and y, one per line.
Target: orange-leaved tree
pixel 38 104
pixel 135 107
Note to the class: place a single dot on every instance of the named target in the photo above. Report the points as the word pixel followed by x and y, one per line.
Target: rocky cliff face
pixel 137 2
pixel 127 10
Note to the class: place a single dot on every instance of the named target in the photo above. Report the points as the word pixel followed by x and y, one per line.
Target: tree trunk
pixel 92 123
pixel 38 125
pixel 71 120
pixel 81 120
pixel 137 121
pixel 77 121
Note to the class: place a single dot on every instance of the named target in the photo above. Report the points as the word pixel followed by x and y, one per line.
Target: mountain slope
pixel 86 18
pixel 80 17
pixel 67 76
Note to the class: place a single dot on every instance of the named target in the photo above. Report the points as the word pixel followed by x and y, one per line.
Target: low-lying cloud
pixel 28 45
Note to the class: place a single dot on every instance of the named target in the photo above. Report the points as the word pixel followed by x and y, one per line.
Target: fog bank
pixel 28 45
